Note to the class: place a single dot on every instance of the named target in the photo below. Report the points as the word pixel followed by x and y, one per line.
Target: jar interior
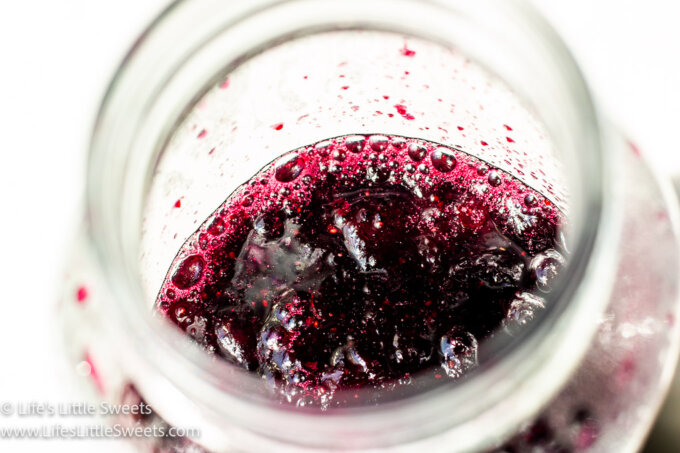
pixel 206 76
pixel 323 85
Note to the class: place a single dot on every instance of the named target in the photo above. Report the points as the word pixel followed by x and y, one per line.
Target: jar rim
pixel 194 380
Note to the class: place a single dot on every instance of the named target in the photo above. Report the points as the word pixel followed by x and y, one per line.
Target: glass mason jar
pixel 214 90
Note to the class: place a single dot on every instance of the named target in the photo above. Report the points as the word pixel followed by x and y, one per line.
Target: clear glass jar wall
pixel 190 119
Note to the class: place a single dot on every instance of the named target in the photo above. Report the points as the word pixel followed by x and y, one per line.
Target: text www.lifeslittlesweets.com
pixel 117 431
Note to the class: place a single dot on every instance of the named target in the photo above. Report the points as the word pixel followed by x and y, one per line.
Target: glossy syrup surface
pixel 360 261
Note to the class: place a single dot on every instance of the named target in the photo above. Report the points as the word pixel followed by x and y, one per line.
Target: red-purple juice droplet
pixel 359 261
pixel 81 294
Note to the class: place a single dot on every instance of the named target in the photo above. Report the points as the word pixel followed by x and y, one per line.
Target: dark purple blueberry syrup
pixel 360 261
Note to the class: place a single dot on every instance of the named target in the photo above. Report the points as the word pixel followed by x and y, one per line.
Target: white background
pixel 56 58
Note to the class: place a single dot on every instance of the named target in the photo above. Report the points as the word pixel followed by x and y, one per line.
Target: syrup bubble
pixel 217 227
pixel 545 267
pixel 322 147
pixel 530 200
pixel 443 160
pixel 522 311
pixel 339 155
pixel 494 179
pixel 398 143
pixel 247 201
pixel 289 169
pixel 189 272
pixel 458 350
pixel 378 142
pixel 355 143
pixel 416 152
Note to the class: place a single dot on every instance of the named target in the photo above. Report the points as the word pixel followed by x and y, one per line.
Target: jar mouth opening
pixel 194 378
